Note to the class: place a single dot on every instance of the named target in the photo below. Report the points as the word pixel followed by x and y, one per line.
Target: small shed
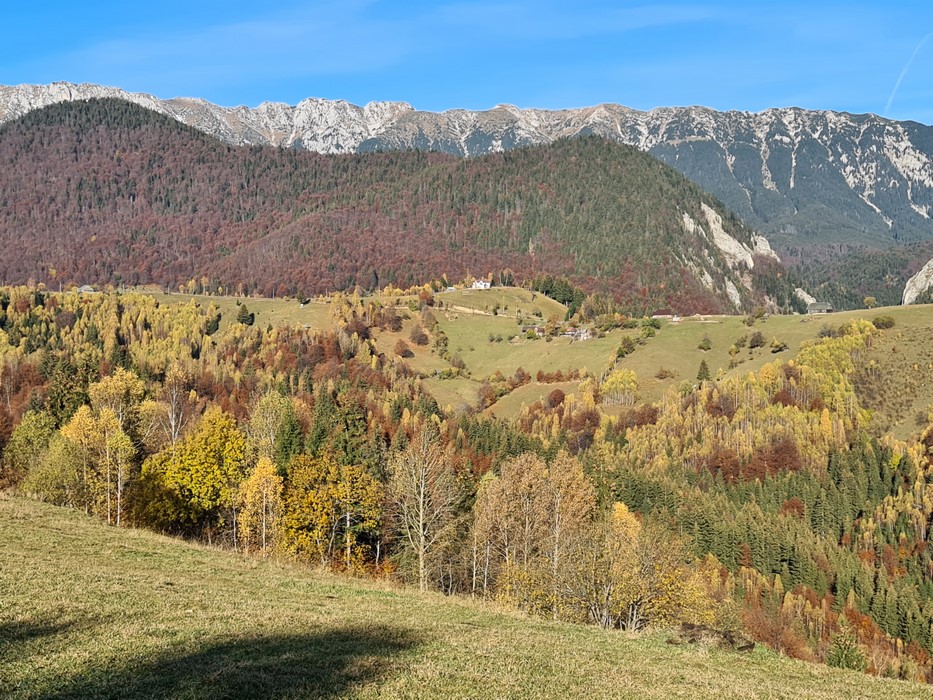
pixel 819 307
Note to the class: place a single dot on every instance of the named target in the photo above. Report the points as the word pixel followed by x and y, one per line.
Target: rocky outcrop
pixel 918 284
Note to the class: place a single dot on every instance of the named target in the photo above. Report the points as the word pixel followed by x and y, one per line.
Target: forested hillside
pixel 106 191
pixel 844 275
pixel 757 505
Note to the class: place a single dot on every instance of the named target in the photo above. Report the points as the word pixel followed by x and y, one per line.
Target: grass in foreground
pixel 87 610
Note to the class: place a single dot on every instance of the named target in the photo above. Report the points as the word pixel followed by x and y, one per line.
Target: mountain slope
pixel 97 611
pixel 105 190
pixel 801 177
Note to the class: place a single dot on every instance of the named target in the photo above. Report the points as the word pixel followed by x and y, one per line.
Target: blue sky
pixel 851 56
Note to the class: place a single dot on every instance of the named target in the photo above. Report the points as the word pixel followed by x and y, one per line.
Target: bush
pixel 844 652
pixel 883 322
pixel 418 336
pixel 402 349
pixel 705 344
pixel 757 340
pixel 626 347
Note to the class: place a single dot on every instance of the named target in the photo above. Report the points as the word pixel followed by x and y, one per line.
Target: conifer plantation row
pixel 755 504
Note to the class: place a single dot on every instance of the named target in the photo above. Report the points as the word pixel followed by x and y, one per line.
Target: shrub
pixel 418 336
pixel 844 652
pixel 626 347
pixel 705 344
pixel 757 340
pixel 883 322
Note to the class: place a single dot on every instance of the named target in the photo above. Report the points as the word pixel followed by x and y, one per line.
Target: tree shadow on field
pixel 16 633
pixel 323 665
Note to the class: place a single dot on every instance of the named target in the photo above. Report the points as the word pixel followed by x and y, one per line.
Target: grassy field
pixel 898 388
pixel 675 348
pixel 511 404
pixel 91 611
pixel 469 337
pixel 277 312
pixel 513 302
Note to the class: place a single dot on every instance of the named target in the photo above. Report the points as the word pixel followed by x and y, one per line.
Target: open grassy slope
pixel 512 301
pixel 278 312
pixel 88 610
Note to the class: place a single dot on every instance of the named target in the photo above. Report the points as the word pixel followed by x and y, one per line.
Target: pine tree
pixel 244 316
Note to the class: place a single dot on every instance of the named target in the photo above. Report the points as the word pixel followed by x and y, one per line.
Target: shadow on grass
pixel 15 633
pixel 321 665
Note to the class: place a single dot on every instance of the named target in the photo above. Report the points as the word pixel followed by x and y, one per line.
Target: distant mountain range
pixel 800 177
pixel 105 190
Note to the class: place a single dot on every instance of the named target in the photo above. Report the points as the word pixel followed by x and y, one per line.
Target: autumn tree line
pixel 756 503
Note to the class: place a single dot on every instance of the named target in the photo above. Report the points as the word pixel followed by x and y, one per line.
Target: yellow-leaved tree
pixel 631 576
pixel 106 454
pixel 260 506
pixel 329 507
pixel 203 473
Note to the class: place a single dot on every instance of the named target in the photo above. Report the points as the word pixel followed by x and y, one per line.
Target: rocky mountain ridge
pixel 800 177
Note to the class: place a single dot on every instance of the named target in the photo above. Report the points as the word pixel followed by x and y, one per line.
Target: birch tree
pixel 424 493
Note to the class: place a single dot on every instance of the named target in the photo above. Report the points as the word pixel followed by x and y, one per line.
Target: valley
pixel 556 390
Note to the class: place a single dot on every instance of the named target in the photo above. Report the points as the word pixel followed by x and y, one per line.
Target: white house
pixel 481 284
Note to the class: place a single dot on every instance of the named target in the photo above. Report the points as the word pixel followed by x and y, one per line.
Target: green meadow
pixel 92 611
